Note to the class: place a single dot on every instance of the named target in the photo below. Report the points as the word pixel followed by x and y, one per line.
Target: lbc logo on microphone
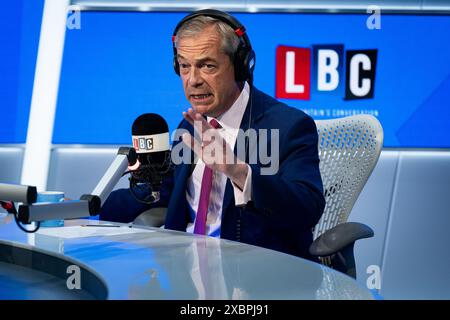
pixel 295 76
pixel 143 144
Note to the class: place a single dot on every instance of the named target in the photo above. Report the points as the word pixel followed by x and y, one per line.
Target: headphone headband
pixel 237 27
pixel 244 60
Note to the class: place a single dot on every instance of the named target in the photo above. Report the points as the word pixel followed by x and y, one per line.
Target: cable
pixel 151 195
pixel 250 102
pixel 19 224
pixel 11 209
pixel 148 178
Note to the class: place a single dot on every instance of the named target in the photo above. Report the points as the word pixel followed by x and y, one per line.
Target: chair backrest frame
pixel 349 149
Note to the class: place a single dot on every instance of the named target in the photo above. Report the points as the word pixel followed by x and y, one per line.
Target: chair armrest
pixel 154 217
pixel 339 237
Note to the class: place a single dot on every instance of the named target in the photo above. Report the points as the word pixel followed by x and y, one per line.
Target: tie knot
pixel 215 124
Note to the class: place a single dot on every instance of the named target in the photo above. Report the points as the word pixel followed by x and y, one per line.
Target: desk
pixel 149 263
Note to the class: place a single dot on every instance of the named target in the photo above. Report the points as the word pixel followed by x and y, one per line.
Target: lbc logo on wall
pixel 297 75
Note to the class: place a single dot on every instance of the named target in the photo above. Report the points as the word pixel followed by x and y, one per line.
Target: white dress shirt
pixel 230 122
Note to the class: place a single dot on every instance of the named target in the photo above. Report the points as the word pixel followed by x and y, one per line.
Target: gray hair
pixel 191 28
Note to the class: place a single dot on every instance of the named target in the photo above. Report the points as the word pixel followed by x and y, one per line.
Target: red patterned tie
pixel 202 211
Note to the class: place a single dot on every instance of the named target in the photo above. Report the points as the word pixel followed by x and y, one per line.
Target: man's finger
pixel 197 120
pixel 199 117
pixel 188 118
pixel 198 123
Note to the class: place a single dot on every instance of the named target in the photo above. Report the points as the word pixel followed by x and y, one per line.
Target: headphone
pixel 244 58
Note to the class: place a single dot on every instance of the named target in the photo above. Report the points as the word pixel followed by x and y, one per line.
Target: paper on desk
pixel 92 231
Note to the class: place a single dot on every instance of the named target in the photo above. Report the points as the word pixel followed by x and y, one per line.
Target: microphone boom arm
pixel 18 193
pixel 88 203
pixel 125 156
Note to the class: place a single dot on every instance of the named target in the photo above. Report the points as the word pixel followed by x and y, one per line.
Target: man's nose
pixel 195 78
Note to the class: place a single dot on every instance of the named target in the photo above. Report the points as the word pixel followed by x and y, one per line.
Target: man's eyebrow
pixel 202 60
pixel 206 60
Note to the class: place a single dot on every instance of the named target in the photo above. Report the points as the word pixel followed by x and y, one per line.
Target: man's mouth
pixel 200 97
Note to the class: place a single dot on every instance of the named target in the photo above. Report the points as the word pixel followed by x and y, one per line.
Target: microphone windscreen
pixel 150 134
pixel 149 124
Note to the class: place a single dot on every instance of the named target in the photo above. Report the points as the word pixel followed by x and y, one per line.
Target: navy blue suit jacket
pixel 285 207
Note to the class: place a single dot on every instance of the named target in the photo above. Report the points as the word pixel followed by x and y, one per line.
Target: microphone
pixel 148 162
pixel 150 135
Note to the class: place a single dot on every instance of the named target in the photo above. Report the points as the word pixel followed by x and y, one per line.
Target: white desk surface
pixel 151 263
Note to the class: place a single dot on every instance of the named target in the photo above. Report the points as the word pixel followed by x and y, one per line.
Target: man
pixel 235 199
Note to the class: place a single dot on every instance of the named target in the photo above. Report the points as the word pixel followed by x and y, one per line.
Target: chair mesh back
pixel 349 148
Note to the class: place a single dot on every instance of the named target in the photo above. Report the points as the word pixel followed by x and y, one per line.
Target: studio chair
pixel 349 149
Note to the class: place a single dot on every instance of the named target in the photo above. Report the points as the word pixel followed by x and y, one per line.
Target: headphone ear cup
pixel 176 65
pixel 250 63
pixel 240 73
pixel 244 64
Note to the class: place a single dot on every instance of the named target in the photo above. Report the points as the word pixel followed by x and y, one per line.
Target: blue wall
pixel 20 25
pixel 119 65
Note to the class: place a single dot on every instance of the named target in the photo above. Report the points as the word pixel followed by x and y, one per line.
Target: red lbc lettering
pixel 135 144
pixel 293 69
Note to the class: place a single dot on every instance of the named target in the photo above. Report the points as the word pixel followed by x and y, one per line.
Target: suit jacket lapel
pixel 177 212
pixel 255 108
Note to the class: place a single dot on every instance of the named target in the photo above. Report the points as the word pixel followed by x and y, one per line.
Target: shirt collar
pixel 231 119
